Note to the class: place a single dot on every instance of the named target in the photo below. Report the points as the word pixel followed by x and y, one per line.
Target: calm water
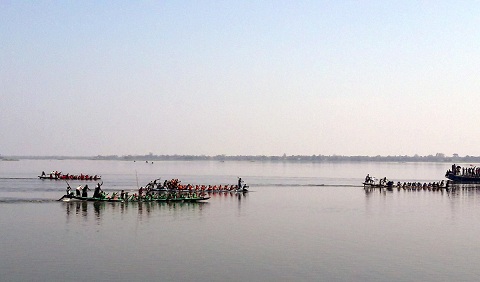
pixel 301 222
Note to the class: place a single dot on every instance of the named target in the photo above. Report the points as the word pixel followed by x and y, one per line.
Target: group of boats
pixel 155 191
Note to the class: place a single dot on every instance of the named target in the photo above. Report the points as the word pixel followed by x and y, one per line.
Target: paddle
pixel 136 176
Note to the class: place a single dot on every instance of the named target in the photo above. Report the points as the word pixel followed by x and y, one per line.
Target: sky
pixel 87 78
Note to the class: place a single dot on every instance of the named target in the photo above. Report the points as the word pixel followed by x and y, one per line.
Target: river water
pixel 300 222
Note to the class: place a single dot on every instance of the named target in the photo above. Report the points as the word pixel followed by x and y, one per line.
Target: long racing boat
pixel 69 177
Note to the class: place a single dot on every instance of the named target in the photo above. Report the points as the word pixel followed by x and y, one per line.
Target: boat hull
pixel 172 200
pixel 377 185
pixel 72 198
pixel 462 178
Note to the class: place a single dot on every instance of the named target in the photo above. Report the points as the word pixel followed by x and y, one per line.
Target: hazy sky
pixel 239 77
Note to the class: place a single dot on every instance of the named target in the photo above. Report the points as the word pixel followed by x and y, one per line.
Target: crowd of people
pixel 472 171
pixel 372 181
pixel 423 186
pixel 176 185
pixel 82 191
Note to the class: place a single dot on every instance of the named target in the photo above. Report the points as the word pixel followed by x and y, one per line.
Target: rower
pixel 96 192
pixel 240 182
pixel 78 190
pixel 85 191
pixel 69 190
pixel 368 178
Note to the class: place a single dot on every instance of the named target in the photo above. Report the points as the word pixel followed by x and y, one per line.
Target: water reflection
pixel 450 203
pixel 453 189
pixel 229 194
pixel 142 209
pixel 241 196
pixel 369 191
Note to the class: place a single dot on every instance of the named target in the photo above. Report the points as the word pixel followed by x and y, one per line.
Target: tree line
pixel 439 157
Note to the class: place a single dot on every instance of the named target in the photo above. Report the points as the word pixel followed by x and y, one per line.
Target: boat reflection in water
pixel 85 209
pixel 452 190
pixel 228 194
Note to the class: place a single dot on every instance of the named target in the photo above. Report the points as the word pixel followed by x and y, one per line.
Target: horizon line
pixel 282 156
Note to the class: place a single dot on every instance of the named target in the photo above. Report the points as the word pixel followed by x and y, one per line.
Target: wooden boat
pixel 174 186
pixel 164 190
pixel 70 177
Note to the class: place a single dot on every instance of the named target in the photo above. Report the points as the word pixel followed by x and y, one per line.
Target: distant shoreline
pixel 260 158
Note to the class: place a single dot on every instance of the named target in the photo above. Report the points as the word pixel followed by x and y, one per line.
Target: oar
pixel 136 176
